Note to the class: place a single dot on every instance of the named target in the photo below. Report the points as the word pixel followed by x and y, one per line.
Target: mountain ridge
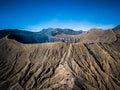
pixel 92 65
pixel 45 35
pixel 58 35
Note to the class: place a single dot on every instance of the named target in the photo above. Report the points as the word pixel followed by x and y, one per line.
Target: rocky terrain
pixel 91 62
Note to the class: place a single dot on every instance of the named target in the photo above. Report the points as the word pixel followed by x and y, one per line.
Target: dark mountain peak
pixel 58 31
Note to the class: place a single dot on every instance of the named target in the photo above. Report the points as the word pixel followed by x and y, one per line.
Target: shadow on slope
pixel 28 39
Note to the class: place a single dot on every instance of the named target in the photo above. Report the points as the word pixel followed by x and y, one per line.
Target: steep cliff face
pixel 93 65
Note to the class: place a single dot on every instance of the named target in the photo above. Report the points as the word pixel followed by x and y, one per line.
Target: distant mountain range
pixel 45 35
pixel 59 35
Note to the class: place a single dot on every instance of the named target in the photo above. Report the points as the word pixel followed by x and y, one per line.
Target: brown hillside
pixel 91 64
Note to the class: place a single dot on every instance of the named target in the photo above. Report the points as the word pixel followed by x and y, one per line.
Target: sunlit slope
pixel 61 66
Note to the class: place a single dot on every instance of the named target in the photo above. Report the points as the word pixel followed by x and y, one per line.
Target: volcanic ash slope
pixel 60 66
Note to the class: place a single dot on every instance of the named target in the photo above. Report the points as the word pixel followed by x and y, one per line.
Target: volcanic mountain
pixel 45 35
pixel 86 61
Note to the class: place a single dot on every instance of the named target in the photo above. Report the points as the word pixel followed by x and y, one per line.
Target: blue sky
pixel 35 15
